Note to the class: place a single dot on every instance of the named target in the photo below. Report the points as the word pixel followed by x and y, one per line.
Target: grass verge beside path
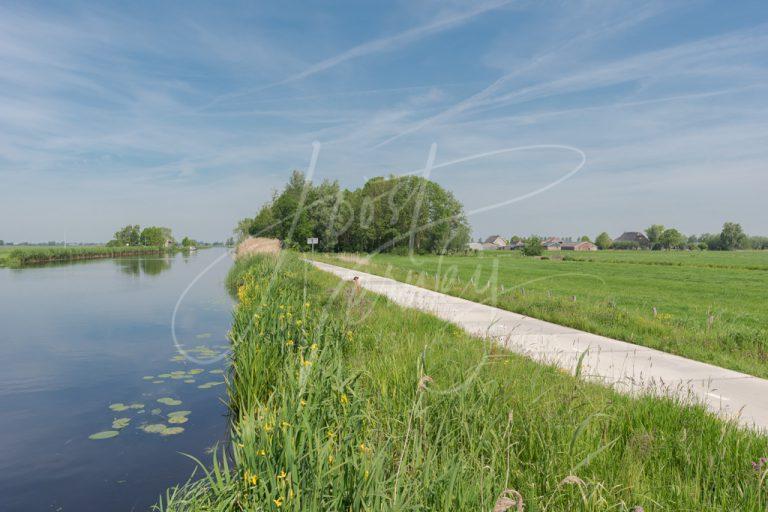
pixel 715 315
pixel 346 402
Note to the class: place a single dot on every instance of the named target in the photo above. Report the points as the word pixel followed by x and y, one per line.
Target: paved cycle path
pixel 627 367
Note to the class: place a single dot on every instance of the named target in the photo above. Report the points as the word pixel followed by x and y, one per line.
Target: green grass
pixel 344 401
pixel 715 314
pixel 33 255
pixel 751 260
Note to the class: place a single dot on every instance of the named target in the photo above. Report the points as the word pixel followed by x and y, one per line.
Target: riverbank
pixel 341 400
pixel 19 257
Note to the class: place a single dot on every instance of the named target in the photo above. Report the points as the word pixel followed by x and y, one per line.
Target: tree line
pixel 133 235
pixel 386 214
pixel 730 238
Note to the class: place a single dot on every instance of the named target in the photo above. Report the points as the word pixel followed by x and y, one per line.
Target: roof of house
pixel 576 244
pixel 492 239
pixel 632 236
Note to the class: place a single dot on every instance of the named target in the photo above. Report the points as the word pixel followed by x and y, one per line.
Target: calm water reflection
pixel 77 338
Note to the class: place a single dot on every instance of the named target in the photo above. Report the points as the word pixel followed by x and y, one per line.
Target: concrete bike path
pixel 624 366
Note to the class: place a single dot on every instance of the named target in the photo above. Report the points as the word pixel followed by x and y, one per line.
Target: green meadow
pixel 709 306
pixel 341 400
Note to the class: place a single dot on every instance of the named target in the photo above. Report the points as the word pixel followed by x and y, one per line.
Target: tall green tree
pixel 732 237
pixel 129 235
pixel 603 241
pixel 671 239
pixel 386 213
pixel 654 234
pixel 156 236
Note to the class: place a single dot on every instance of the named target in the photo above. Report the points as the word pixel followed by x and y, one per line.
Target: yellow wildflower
pixel 289 343
pixel 313 346
pixel 290 494
pixel 344 400
pixel 285 424
pixel 307 363
pixel 298 323
pixel 306 304
pixel 330 459
pixel 303 402
pixel 278 502
pixel 254 479
pixel 364 448
pixel 365 475
pixel 282 475
pixel 268 427
pixel 262 453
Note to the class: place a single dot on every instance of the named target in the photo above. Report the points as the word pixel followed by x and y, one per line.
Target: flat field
pixel 709 306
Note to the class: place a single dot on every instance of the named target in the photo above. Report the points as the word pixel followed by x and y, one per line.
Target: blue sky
pixel 189 114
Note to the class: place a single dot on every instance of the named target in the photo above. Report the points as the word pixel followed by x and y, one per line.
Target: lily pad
pixel 164 375
pixel 148 377
pixel 157 381
pixel 104 435
pixel 154 428
pixel 118 407
pixel 178 420
pixel 169 401
pixel 136 406
pixel 172 431
pixel 211 384
pixel 203 335
pixel 178 414
pixel 195 371
pixel 217 371
pixel 189 381
pixel 156 411
pixel 120 423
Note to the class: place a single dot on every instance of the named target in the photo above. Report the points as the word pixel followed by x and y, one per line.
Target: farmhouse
pixel 632 237
pixel 578 246
pixel 552 243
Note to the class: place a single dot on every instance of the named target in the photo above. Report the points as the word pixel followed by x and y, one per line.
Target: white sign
pixel 312 241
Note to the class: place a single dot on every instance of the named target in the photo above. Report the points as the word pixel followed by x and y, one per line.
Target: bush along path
pixel 341 400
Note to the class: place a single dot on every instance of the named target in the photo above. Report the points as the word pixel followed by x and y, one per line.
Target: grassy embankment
pixel 20 256
pixel 348 402
pixel 709 306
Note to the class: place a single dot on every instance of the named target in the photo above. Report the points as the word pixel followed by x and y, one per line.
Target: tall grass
pixel 344 401
pixel 34 255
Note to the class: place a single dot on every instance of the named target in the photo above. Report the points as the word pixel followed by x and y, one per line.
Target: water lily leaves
pixel 148 377
pixel 164 375
pixel 136 406
pixel 169 401
pixel 157 381
pixel 203 335
pixel 163 430
pixel 209 385
pixel 179 414
pixel 217 371
pixel 106 434
pixel 189 381
pixel 154 428
pixel 118 407
pixel 120 423
pixel 178 420
pixel 156 411
pixel 178 357
pixel 195 371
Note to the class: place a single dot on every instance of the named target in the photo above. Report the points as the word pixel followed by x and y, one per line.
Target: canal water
pixel 97 401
